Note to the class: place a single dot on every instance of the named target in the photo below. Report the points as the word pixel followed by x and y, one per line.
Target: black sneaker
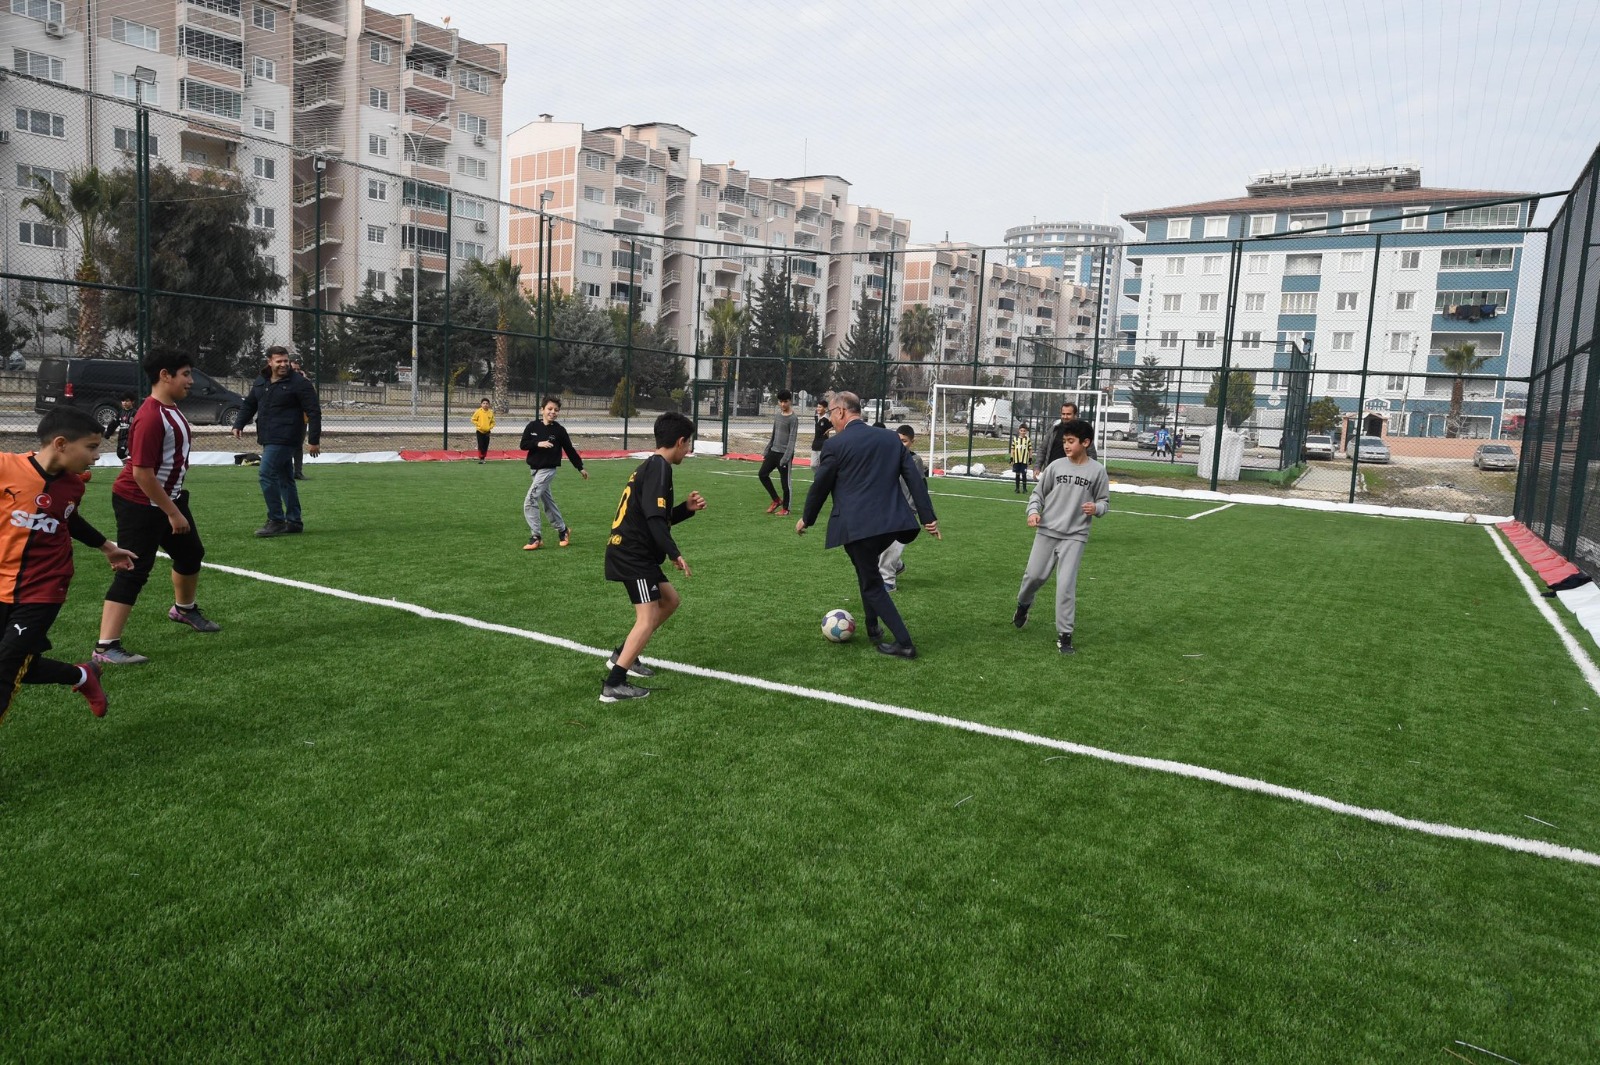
pixel 897 650
pixel 638 669
pixel 273 528
pixel 1064 644
pixel 1020 618
pixel 616 693
pixel 292 527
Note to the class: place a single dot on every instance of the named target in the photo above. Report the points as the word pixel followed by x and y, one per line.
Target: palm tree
pixel 728 321
pixel 501 281
pixel 92 200
pixel 1460 360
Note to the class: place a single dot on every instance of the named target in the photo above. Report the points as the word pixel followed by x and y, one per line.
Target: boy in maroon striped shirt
pixel 152 509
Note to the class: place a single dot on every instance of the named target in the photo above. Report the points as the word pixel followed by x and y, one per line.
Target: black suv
pixel 97 385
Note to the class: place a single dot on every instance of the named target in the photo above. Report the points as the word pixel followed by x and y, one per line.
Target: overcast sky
pixel 967 117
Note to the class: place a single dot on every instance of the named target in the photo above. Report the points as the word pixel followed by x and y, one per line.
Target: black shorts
pixel 645 589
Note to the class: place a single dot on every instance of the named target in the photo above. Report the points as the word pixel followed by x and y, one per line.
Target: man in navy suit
pixel 862 468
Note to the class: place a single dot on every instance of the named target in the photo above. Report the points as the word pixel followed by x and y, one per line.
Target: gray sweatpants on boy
pixel 539 494
pixel 1062 556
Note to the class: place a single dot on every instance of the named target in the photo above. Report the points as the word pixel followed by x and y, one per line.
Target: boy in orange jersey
pixel 41 492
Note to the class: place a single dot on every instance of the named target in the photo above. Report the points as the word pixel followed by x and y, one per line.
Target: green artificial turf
pixel 338 831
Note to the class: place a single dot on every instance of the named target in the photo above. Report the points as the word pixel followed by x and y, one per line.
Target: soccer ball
pixel 838 625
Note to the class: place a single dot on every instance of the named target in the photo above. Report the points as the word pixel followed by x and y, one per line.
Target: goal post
pixel 972 425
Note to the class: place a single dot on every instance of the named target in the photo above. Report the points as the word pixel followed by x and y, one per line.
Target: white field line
pixel 1213 510
pixel 1580 656
pixel 1157 765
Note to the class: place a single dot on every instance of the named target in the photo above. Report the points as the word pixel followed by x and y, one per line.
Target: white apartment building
pixel 703 231
pixel 1076 252
pixel 396 110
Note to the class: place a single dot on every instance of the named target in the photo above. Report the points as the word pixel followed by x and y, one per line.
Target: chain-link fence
pixel 1360 365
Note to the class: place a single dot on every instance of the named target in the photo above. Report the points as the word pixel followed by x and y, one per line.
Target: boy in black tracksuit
pixel 544 440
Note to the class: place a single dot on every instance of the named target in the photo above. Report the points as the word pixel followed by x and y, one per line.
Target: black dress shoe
pixel 897 650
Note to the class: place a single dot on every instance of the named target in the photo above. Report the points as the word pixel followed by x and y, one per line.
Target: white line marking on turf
pixel 1581 657
pixel 1213 510
pixel 1157 765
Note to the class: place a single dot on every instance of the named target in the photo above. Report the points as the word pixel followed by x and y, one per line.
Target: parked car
pixel 97 386
pixel 1317 446
pixel 1371 449
pixel 1494 457
pixel 1146 441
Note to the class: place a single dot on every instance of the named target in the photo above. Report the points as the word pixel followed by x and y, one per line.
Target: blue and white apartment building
pixel 1448 272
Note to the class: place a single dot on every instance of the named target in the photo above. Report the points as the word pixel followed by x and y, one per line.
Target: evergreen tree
pixel 783 348
pixel 1241 396
pixel 1323 416
pixel 859 367
pixel 1149 390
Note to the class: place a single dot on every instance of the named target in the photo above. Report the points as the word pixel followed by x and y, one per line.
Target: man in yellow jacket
pixel 483 421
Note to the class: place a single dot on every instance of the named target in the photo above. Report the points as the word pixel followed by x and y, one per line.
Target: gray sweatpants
pixel 539 494
pixel 1062 556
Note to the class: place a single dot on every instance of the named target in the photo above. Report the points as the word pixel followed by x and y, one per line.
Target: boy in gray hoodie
pixel 1072 491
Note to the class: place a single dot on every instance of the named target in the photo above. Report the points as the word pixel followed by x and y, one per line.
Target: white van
pixel 1116 423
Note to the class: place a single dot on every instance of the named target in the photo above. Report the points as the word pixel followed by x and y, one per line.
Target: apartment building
pixel 1326 251
pixel 396 117
pixel 687 232
pixel 1076 252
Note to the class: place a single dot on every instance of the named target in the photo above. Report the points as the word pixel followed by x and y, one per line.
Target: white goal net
pixel 972 426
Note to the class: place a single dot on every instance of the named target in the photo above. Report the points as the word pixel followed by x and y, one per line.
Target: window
pixel 428 241
pixel 127 140
pixel 1256 264
pixel 1472 305
pixel 1356 221
pixel 705 220
pixel 265 169
pixel 1298 222
pixel 211 99
pixel 1206 338
pixel 42 123
pixel 1178 228
pixel 1399 341
pixel 1350 261
pixel 1405 301
pixel 227 7
pixel 471 167
pixel 263 217
pixel 41 235
pixel 472 80
pixel 37 64
pixel 591 290
pixel 1337 382
pixel 593 258
pixel 377 234
pixel 378 98
pixel 1507 214
pixel 264 18
pixel 125 87
pixel 134 33
pixel 1255 301
pixel 1263 224
pixel 1208 301
pixel 1217 226
pixel 1343 341
pixel 1302 265
pixel 377 189
pixel 1250 339
pixel 377 281
pixel 379 53
pixel 1348 301
pixel 1172 301
pixel 377 145
pixel 43 10
pixel 1410 260
pixel 1394 383
pixel 594 195
pixel 594 160
pixel 1175 265
pixel 1169 338
pixel 210 48
pixel 1477 258
pixel 1414 218
pixel 468 250
pixel 29 177
pixel 262 118
pixel 42 291
pixel 1211 264
pixel 1299 303
pixel 428 197
pixel 263 68
pixel 476 124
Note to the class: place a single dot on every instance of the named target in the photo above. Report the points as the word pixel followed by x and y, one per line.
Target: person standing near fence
pixel 1021 452
pixel 483 422
pixel 780 452
pixel 544 439
pixel 820 433
pixel 286 411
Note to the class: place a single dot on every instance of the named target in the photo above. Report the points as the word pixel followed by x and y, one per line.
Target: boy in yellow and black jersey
pixel 640 540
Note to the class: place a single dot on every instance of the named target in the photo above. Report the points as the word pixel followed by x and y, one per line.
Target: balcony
pixel 418 126
pixel 728 266
pixel 631 183
pixel 319 141
pixel 430 78
pixel 669 307
pixel 305 192
pixel 731 211
pixel 305 237
pixel 671 277
pixel 312 49
pixel 309 96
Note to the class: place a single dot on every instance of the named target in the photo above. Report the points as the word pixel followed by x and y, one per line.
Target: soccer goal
pixel 973 425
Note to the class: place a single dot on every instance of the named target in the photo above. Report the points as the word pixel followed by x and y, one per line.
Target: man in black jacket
pixel 286 410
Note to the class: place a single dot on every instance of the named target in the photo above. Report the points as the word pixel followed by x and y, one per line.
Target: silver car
pixel 1494 457
pixel 1317 447
pixel 1372 449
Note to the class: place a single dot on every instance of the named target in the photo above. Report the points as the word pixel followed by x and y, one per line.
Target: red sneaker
pixel 90 688
pixel 566 537
pixel 783 512
pixel 773 508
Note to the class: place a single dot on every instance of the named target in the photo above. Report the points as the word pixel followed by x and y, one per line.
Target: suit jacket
pixel 863 468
